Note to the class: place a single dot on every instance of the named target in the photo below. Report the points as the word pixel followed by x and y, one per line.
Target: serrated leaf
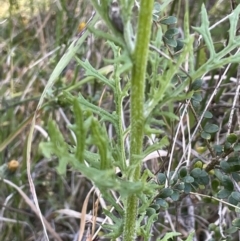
pixel 211 128
pixel 90 71
pixel 233 24
pixel 56 146
pixel 169 236
pixel 190 236
pixel 205 32
pixel 156 146
pixel 170 115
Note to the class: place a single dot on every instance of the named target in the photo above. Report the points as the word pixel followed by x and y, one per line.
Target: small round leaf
pixel 236 222
pixel 223 194
pixel 161 178
pixel 166 192
pixel 188 179
pixel 205 135
pixel 211 128
pixel 232 138
pixel 183 172
pixel 236 196
pixel 169 20
pixel 208 115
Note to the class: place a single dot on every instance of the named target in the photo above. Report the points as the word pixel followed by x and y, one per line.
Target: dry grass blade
pixel 33 207
pixel 95 211
pixel 83 214
pixel 75 214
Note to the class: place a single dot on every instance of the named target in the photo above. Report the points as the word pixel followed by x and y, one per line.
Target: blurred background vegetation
pixel 33 37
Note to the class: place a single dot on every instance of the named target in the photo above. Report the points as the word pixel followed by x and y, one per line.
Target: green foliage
pixel 141 96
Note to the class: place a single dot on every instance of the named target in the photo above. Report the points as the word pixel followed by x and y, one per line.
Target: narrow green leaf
pixel 169 236
pixel 233 24
pixel 79 130
pixel 90 71
pixel 101 141
pixel 205 32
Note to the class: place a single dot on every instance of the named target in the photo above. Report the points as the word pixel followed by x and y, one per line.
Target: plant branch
pixel 139 59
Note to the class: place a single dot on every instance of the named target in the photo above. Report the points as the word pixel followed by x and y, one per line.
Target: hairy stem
pixel 139 59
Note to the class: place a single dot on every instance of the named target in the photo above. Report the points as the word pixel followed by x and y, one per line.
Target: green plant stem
pixel 139 59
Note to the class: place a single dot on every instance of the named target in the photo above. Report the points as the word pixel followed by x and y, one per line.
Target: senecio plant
pixel 148 69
